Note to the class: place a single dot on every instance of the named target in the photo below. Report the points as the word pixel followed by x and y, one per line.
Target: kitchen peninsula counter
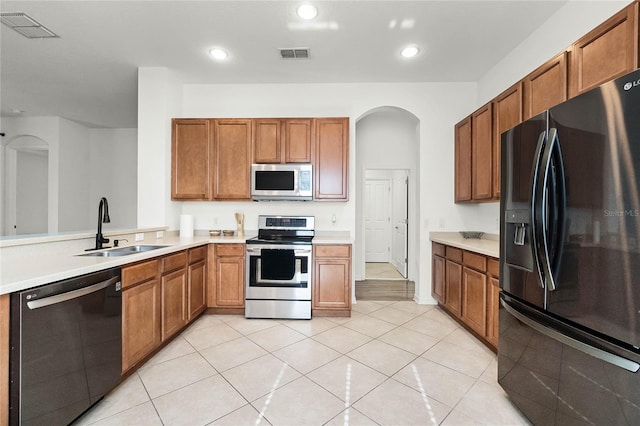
pixel 31 265
pixel 28 265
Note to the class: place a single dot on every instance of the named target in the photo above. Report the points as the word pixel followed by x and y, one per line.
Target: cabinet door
pixel 5 350
pixel 190 150
pixel 230 281
pixel 174 296
pixel 297 140
pixel 453 287
pixel 140 322
pixel 463 160
pixel 438 279
pixel 267 140
pixel 232 159
pixel 197 288
pixel 493 304
pixel 607 52
pixel 332 283
pixel 546 86
pixel 507 112
pixel 331 161
pixel 474 300
pixel 481 153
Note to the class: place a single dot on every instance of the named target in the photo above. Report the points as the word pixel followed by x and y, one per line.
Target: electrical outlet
pixel 139 236
pixel 441 223
pixel 159 234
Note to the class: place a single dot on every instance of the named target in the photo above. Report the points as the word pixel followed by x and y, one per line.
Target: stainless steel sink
pixel 123 251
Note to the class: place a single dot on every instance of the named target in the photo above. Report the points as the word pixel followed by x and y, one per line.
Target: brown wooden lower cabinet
pixel 159 298
pixel 141 316
pixel 226 278
pixel 174 298
pixel 471 287
pixel 438 266
pixel 331 280
pixel 197 278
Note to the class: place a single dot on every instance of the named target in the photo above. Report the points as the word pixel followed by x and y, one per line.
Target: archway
pixel 26 186
pixel 387 147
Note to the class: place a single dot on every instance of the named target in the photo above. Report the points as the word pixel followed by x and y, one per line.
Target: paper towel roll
pixel 186 225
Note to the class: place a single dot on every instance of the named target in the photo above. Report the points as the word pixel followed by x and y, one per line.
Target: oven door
pixel 278 272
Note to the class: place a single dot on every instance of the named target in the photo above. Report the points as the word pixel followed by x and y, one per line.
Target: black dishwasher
pixel 66 347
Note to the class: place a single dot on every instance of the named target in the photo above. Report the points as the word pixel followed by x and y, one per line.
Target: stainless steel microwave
pixel 282 182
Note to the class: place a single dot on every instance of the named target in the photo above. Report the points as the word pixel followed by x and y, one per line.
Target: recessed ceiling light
pixel 219 53
pixel 409 51
pixel 307 11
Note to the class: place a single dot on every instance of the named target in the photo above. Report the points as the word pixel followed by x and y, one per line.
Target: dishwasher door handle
pixel 74 294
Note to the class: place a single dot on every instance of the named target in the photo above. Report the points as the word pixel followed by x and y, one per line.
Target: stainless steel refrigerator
pixel 569 344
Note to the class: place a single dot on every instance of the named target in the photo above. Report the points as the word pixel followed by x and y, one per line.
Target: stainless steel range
pixel 278 279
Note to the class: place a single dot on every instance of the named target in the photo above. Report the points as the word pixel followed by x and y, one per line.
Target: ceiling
pixel 89 73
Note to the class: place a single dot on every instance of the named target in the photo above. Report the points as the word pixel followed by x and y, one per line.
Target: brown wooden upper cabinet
pixel 287 140
pixel 331 159
pixel 507 112
pixel 463 160
pixel 607 52
pixel 190 153
pixel 546 86
pixel 232 159
pixel 481 153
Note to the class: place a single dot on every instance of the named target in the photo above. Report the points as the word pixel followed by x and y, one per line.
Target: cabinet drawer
pixel 439 249
pixel 197 254
pixel 332 251
pixel 138 273
pixel 229 249
pixel 475 261
pixel 174 261
pixel 493 267
pixel 454 254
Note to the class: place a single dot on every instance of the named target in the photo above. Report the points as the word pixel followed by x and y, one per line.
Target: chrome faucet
pixel 102 218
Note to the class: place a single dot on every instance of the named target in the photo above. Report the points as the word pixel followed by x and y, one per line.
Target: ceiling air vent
pixel 26 25
pixel 295 53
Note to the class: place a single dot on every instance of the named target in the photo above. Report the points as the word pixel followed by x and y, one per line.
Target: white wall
pixel 84 165
pixel 74 172
pixel 114 161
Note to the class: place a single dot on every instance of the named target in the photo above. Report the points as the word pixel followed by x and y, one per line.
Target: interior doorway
pixel 385 222
pixel 26 177
pixel 387 205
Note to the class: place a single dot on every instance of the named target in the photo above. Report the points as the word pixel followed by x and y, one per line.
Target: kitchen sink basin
pixel 124 251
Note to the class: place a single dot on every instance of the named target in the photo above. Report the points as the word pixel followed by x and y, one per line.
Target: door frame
pixel 367 175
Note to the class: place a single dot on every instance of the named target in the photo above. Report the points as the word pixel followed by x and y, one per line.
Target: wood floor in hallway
pixel 386 290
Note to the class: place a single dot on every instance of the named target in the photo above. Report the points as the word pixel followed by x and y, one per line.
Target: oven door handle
pixel 297 251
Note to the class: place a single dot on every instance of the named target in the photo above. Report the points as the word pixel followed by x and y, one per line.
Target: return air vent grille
pixel 295 53
pixel 26 25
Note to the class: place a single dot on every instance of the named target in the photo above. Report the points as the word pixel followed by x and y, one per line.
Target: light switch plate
pixel 159 234
pixel 139 236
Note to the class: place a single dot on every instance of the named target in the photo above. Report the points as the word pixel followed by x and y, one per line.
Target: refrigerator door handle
pixel 569 341
pixel 535 182
pixel 550 209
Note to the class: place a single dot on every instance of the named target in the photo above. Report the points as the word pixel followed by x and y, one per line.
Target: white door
pixel 399 215
pixel 376 220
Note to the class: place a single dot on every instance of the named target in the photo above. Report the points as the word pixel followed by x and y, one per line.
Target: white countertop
pixel 29 266
pixel 489 244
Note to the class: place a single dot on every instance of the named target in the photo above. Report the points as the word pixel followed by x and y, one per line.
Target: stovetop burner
pixel 284 230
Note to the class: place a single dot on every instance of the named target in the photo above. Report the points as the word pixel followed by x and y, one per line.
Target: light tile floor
pixel 391 363
pixel 381 271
